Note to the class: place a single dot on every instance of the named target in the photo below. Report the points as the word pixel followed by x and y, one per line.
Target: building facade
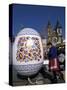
pixel 54 34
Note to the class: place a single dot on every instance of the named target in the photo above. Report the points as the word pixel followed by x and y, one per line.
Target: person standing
pixel 53 61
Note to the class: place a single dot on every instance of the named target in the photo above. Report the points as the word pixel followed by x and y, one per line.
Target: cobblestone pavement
pixel 39 79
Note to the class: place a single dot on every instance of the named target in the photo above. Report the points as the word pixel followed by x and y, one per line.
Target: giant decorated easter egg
pixel 27 52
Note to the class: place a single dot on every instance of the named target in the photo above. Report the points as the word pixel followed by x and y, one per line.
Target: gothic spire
pixel 49 24
pixel 58 25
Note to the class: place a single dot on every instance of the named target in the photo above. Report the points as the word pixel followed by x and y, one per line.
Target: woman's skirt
pixel 54 64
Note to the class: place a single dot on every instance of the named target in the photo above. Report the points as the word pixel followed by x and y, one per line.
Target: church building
pixel 54 34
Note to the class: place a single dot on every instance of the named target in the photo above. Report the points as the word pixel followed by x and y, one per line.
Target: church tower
pixel 49 29
pixel 58 29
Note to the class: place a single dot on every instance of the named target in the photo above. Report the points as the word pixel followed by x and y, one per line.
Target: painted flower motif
pixel 28 54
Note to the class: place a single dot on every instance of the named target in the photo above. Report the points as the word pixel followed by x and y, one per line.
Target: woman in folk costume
pixel 53 61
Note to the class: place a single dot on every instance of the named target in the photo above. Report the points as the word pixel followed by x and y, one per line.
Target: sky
pixel 36 16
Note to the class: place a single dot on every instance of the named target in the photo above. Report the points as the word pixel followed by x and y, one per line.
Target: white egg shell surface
pixel 27 52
